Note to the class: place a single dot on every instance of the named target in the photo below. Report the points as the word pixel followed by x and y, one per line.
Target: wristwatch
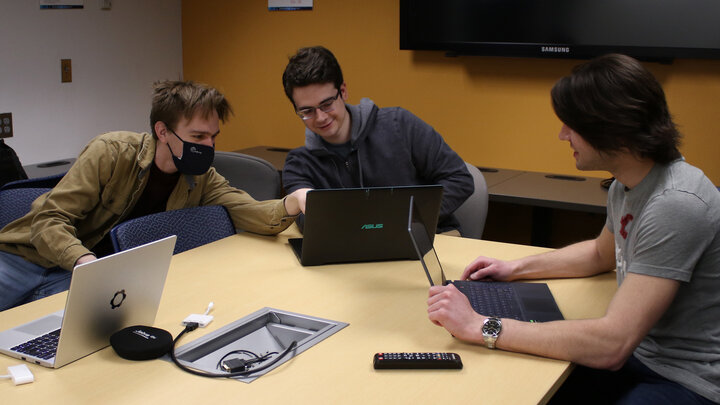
pixel 491 330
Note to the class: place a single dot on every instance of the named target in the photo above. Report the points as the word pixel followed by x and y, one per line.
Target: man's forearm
pixel 571 261
pixel 581 259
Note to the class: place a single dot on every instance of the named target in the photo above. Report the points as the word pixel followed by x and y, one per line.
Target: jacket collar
pixel 145 158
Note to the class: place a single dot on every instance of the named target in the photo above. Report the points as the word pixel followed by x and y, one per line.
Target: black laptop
pixel 363 224
pixel 531 302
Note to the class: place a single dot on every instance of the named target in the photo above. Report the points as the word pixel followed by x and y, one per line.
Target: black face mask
pixel 196 158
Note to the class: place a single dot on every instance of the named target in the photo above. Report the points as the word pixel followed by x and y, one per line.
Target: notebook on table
pixel 363 224
pixel 532 302
pixel 105 295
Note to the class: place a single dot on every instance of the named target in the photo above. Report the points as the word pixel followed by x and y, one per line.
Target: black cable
pixel 238 364
pixel 191 327
pixel 241 351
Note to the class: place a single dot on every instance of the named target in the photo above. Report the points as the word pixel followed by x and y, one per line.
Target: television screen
pixel 645 29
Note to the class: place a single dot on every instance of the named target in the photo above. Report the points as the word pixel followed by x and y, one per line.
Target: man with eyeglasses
pixel 123 175
pixel 349 146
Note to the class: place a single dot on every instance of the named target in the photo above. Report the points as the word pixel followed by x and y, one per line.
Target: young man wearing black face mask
pixel 124 175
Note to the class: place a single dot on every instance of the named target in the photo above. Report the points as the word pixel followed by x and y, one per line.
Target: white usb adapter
pixel 201 319
pixel 20 374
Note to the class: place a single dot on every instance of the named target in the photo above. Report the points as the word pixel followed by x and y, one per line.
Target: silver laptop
pixel 105 295
pixel 531 302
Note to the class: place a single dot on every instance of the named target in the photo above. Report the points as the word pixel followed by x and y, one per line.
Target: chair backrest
pixel 193 226
pixel 15 202
pixel 10 167
pixel 37 182
pixel 473 212
pixel 251 174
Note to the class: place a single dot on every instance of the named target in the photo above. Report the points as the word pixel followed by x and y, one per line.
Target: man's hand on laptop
pixel 85 259
pixel 486 268
pixel 449 308
pixel 295 202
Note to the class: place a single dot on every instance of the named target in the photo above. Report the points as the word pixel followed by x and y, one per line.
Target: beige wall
pixel 493 111
pixel 116 55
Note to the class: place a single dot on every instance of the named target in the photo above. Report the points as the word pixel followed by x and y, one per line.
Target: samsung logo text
pixel 555 49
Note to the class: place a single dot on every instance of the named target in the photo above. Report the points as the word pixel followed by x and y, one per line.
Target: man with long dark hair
pixel 659 341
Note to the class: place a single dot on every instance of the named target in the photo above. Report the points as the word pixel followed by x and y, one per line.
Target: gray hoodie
pixel 388 147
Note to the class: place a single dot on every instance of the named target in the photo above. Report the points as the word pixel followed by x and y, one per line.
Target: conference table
pixel 48 168
pixel 384 304
pixel 549 196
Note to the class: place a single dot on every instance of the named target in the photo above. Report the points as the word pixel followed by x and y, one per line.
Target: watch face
pixel 492 326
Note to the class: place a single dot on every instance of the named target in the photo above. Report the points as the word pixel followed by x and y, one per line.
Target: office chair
pixel 16 202
pixel 473 212
pixel 194 227
pixel 251 174
pixel 37 182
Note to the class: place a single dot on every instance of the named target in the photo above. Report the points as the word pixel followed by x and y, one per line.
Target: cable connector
pixel 190 326
pixel 235 365
pixel 201 319
pixel 20 374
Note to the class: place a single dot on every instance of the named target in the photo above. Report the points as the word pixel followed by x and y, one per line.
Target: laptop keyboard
pixel 491 299
pixel 43 346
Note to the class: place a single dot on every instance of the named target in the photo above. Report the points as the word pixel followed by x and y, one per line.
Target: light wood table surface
pixel 384 303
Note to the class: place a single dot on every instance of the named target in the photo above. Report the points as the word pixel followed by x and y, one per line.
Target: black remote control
pixel 416 361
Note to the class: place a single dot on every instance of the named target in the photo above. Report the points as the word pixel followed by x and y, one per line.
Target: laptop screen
pixel 423 246
pixel 364 224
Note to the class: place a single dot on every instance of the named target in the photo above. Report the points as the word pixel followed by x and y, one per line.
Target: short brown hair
pixel 313 65
pixel 175 99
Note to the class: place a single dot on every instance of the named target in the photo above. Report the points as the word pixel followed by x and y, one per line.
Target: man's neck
pixel 163 158
pixel 631 170
pixel 345 133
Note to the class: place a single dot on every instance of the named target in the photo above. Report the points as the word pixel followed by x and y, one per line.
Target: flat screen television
pixel 645 29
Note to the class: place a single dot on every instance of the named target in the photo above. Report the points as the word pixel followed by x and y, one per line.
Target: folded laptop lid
pixel 423 245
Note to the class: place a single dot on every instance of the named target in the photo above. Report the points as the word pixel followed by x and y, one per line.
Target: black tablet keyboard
pixel 491 299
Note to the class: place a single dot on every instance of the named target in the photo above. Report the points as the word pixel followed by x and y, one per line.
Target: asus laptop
pixel 105 295
pixel 530 302
pixel 363 224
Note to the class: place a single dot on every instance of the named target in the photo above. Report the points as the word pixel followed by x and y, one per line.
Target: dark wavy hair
pixel 174 99
pixel 313 65
pixel 615 104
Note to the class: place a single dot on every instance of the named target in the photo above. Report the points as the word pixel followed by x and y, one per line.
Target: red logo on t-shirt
pixel 624 221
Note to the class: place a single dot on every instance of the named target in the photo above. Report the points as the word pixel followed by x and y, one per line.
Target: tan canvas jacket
pixel 101 189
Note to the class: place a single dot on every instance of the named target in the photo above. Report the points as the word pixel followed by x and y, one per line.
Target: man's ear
pixel 343 91
pixel 161 131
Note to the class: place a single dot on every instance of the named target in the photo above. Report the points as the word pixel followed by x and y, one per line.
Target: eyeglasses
pixel 308 113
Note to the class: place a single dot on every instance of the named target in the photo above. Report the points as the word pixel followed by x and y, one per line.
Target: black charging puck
pixel 141 342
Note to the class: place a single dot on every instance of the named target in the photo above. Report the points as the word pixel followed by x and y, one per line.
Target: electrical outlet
pixel 6 128
pixel 66 70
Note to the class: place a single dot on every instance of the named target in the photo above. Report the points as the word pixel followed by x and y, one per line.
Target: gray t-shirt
pixel 669 226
